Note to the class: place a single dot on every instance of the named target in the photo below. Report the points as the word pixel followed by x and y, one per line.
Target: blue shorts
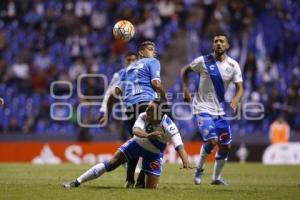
pixel 214 127
pixel 152 162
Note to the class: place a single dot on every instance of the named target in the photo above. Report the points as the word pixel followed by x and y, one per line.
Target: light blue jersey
pixel 135 82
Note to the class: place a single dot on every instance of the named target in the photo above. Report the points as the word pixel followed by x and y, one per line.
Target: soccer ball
pixel 123 30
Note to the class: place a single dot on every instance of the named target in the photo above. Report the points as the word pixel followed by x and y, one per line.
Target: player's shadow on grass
pixel 99 187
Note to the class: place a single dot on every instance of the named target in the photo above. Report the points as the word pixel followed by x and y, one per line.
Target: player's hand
pixel 187 95
pixel 155 135
pixel 187 165
pixel 1 101
pixel 102 119
pixel 234 104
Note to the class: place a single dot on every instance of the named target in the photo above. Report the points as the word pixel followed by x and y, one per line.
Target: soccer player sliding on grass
pixel 152 131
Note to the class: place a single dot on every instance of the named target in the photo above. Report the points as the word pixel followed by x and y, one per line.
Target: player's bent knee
pixel 209 146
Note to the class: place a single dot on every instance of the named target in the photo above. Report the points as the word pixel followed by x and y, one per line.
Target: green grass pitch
pixel 247 181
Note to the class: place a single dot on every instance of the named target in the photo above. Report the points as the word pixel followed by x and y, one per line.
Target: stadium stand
pixel 42 41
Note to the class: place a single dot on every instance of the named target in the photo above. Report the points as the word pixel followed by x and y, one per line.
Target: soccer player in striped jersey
pixel 152 130
pixel 216 71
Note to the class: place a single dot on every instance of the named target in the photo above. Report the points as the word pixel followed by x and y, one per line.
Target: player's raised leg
pixel 98 170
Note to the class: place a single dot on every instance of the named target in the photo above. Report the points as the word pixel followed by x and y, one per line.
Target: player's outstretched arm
pixel 112 99
pixel 159 89
pixel 184 77
pixel 142 134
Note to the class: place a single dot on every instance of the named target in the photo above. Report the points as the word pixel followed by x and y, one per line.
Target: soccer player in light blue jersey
pixel 139 84
pixel 216 71
pixel 152 131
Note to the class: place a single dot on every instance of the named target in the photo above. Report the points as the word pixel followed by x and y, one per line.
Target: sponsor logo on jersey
pixel 212 67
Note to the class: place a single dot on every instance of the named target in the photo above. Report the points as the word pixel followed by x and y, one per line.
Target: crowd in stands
pixel 42 41
pixel 264 39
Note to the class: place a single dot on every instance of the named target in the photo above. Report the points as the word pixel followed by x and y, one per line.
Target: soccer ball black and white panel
pixel 123 30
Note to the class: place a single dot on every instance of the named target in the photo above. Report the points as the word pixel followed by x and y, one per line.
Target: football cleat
pixel 219 182
pixel 198 176
pixel 139 185
pixel 129 184
pixel 71 184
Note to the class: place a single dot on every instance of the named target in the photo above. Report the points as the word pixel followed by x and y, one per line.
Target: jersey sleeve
pixel 172 130
pixel 103 107
pixel 197 64
pixel 121 81
pixel 115 79
pixel 237 76
pixel 140 122
pixel 154 66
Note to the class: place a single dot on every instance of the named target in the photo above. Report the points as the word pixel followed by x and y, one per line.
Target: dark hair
pixel 163 106
pixel 221 33
pixel 130 53
pixel 146 43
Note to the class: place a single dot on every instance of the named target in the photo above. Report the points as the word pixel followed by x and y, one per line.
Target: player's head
pixel 147 50
pixel 130 57
pixel 220 43
pixel 153 111
pixel 156 110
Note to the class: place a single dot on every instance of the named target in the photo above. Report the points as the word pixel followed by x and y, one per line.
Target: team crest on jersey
pixel 155 165
pixel 228 70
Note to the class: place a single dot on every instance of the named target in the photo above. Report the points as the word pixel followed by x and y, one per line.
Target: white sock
pixel 219 164
pixel 202 158
pixel 92 173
